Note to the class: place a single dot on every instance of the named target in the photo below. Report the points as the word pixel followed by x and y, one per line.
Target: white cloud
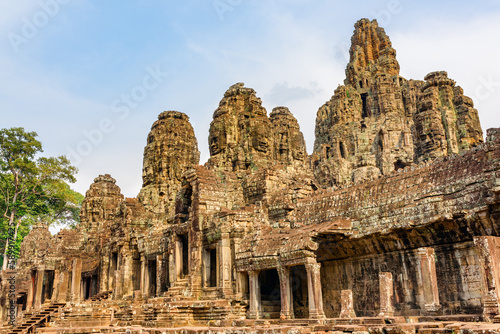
pixel 467 50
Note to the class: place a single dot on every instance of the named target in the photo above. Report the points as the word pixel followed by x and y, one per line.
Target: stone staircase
pixel 179 290
pixel 101 295
pixel 37 319
pixel 271 309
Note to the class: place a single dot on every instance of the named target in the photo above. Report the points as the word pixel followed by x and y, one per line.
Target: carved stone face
pixel 260 138
pixel 217 140
pixel 298 154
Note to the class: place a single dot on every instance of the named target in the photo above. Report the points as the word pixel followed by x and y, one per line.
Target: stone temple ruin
pixel 393 221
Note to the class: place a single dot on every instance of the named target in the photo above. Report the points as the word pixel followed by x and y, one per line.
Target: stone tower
pixel 241 136
pixel 100 203
pixel 446 121
pixel 378 121
pixel 289 143
pixel 171 149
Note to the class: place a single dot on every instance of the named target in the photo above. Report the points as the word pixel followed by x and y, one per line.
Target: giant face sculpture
pixel 217 140
pixel 261 138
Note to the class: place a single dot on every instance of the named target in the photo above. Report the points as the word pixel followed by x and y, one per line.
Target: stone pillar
pixel 255 308
pixel 386 294
pixel 118 292
pixel 31 291
pixel 489 258
pixel 428 279
pixel 285 293
pixel 178 258
pixel 76 279
pixel 111 273
pixel 347 305
pixel 63 287
pixel 127 272
pixel 172 274
pixel 38 288
pixel 56 286
pixel 206 268
pixel 225 264
pixel 241 277
pixel 143 276
pixel 242 283
pixel 159 270
pixel 314 290
pixel 104 274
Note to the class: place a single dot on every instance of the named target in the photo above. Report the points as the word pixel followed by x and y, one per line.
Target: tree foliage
pixel 32 188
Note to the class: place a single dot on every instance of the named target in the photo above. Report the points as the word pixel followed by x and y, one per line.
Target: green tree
pixel 32 188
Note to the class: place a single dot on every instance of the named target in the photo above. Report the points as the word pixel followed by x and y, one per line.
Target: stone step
pixel 270 303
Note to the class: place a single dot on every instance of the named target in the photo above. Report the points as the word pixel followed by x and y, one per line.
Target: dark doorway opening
pixel 90 286
pixel 87 286
pixel 213 268
pixel 164 274
pixel 152 278
pixel 48 285
pixel 114 262
pixel 342 150
pixel 136 274
pixel 399 164
pixel 364 112
pixel 185 254
pixel 22 301
pixel 300 295
pixel 270 293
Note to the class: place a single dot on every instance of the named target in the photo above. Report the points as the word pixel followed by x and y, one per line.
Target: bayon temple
pixel 393 219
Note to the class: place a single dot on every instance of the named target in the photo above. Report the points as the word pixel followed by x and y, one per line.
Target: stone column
pixel 126 270
pixel 428 279
pixel 159 270
pixel 178 258
pixel 225 264
pixel 255 308
pixel 111 273
pixel 143 276
pixel 104 274
pixel 386 294
pixel 56 286
pixel 172 274
pixel 39 286
pixel 489 258
pixel 118 293
pixel 31 288
pixel 63 287
pixel 76 279
pixel 206 268
pixel 347 305
pixel 241 277
pixel 314 290
pixel 285 293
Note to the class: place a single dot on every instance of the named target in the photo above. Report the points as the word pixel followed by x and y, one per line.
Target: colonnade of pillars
pixel 315 298
pixel 63 289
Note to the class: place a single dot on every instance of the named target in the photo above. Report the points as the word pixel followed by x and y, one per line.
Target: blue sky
pixel 90 77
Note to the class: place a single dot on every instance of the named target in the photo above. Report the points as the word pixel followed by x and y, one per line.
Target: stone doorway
pixel 89 284
pixel 136 274
pixel 113 266
pixel 48 286
pixel 184 248
pixel 300 297
pixel 210 277
pixel 270 293
pixel 152 278
pixel 212 281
